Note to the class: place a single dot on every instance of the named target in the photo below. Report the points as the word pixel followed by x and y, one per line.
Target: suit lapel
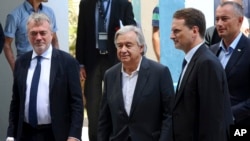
pixel 24 71
pixel 140 84
pixel 184 80
pixel 237 53
pixel 187 72
pixel 54 68
pixel 216 49
pixel 118 90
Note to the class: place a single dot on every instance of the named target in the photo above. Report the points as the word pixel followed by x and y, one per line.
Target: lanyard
pixel 102 10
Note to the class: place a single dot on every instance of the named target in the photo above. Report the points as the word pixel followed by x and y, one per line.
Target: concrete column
pixel 137 9
pixel 169 55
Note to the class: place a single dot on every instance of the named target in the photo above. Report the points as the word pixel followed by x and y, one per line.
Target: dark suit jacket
pixel 86 52
pixel 238 77
pixel 202 106
pixel 212 36
pixel 1 38
pixel 150 115
pixel 66 107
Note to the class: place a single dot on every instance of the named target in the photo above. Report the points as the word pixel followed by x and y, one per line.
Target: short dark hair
pixel 192 17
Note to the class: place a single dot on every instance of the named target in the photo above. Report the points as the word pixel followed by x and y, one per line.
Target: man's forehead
pixel 178 22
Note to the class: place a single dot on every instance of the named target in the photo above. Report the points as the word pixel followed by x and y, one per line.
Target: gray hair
pixel 139 38
pixel 38 18
pixel 241 2
pixel 238 9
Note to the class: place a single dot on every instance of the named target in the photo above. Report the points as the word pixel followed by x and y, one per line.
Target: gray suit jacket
pixel 150 115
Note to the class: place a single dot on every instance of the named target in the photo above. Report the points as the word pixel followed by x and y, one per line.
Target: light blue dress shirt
pixel 16 21
pixel 226 53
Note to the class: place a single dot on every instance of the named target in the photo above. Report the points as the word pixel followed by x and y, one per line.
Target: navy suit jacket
pixel 66 106
pixel 150 115
pixel 238 77
pixel 86 52
pixel 202 107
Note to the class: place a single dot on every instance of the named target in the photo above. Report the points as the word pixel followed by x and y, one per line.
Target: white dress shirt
pixel 43 104
pixel 128 87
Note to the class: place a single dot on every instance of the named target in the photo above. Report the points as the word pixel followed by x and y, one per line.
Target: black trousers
pixel 39 133
pixel 93 93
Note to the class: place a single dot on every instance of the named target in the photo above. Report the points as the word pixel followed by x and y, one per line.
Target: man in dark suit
pixel 138 94
pixel 233 52
pixel 48 108
pixel 202 107
pixel 212 37
pixel 95 50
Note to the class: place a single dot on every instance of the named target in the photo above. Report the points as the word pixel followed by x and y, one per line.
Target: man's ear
pixel 241 20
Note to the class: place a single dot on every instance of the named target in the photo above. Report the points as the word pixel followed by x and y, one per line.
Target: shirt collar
pixel 29 7
pixel 233 44
pixel 137 69
pixel 46 55
pixel 190 54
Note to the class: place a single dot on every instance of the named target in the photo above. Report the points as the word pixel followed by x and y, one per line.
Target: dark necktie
pixel 33 93
pixel 184 64
pixel 102 21
pixel 179 81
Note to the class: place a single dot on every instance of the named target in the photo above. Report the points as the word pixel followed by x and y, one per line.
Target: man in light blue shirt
pixel 226 52
pixel 15 28
pixel 233 52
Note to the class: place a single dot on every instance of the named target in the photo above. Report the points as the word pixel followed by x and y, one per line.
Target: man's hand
pixel 82 73
pixel 72 139
pixel 10 139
